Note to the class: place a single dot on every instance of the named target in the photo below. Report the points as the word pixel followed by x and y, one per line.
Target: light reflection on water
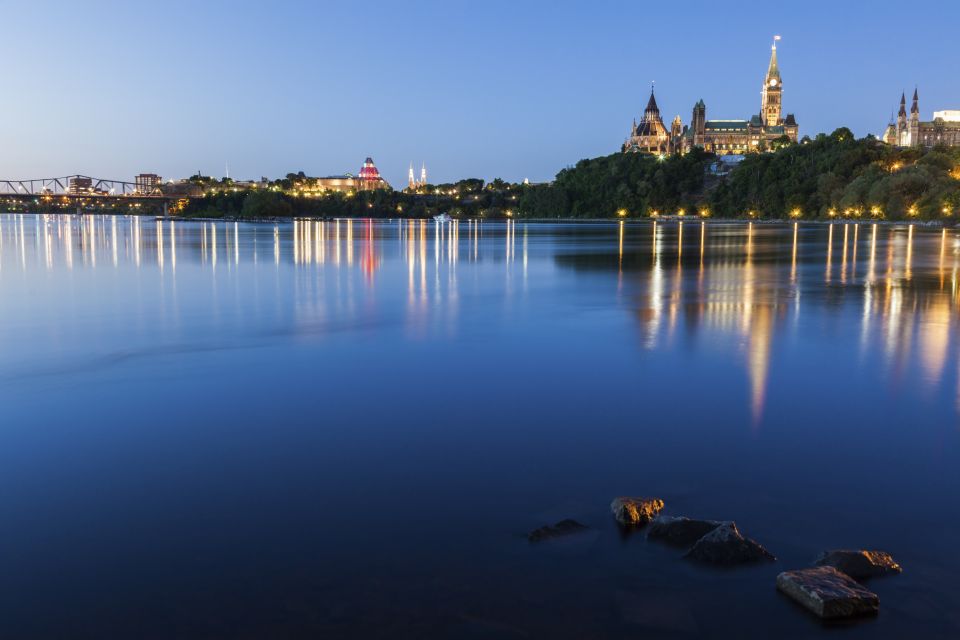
pixel 727 282
pixel 817 362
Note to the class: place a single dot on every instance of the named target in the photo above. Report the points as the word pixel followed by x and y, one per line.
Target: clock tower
pixel 772 101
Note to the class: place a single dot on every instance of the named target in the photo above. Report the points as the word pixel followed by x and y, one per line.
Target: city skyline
pixel 296 87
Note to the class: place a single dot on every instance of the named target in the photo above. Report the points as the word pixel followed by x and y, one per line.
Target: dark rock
pixel 562 528
pixel 725 545
pixel 680 531
pixel 635 511
pixel 860 564
pixel 828 593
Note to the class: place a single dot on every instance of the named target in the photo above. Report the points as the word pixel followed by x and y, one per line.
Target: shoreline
pixel 569 221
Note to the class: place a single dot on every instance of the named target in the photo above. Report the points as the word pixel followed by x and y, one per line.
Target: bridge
pixel 85 190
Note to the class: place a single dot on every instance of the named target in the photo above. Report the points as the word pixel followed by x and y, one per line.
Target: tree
pixel 265 204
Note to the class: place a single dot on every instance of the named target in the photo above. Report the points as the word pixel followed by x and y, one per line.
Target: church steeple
pixel 915 109
pixel 903 105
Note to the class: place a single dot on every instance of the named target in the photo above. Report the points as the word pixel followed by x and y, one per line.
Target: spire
pixel 916 102
pixel 423 173
pixel 652 103
pixel 903 104
pixel 773 71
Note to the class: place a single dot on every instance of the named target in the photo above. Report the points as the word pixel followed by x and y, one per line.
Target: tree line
pixel 833 175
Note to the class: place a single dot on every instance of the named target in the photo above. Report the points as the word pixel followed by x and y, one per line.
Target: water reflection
pixel 742 287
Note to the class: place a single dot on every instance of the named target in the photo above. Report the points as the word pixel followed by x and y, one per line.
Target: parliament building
pixel 911 132
pixel 723 137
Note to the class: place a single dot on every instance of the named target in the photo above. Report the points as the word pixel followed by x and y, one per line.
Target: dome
pixel 369 171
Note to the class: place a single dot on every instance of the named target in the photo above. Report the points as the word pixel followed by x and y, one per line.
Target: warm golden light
pixel 831 212
pixel 876 211
pixel 704 213
pixel 913 210
pixel 622 213
pixel 796 213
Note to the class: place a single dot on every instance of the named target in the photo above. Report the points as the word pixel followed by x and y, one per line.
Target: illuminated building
pixel 147 182
pixel 650 136
pixel 909 131
pixel 82 185
pixel 722 137
pixel 412 183
pixel 369 179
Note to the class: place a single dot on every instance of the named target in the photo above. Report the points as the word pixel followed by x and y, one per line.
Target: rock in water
pixel 725 545
pixel 635 511
pixel 680 531
pixel 860 564
pixel 828 593
pixel 562 528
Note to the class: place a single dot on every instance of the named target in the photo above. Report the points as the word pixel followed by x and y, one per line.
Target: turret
pixel 914 125
pixel 699 122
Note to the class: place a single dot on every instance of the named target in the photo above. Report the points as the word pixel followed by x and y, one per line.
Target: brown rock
pixel 725 545
pixel 828 593
pixel 635 511
pixel 859 564
pixel 680 531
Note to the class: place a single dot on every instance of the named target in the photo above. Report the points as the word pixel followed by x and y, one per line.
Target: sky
pixel 515 89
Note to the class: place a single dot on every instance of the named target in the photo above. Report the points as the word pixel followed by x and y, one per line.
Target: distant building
pixel 650 136
pixel 369 179
pixel 723 137
pixel 412 183
pixel 909 131
pixel 146 183
pixel 80 185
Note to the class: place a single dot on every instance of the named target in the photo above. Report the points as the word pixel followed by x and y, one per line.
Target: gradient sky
pixel 512 89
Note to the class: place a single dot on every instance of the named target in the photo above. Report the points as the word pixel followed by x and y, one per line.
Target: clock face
pixel 773 82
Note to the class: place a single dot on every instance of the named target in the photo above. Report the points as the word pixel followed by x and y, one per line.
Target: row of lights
pixel 654 213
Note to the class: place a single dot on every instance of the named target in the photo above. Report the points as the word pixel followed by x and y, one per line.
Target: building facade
pixel 369 179
pixel 412 183
pixel 909 131
pixel 650 136
pixel 147 183
pixel 723 137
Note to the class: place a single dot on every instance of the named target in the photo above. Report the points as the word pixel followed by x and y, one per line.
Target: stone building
pixel 909 131
pixel 650 136
pixel 722 137
pixel 369 179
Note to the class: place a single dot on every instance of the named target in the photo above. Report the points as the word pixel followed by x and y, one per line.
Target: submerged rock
pixel 859 564
pixel 680 531
pixel 635 511
pixel 725 545
pixel 562 528
pixel 828 593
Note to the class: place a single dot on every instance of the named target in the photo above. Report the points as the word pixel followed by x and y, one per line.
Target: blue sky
pixel 511 89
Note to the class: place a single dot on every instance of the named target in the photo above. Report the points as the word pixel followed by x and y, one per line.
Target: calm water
pixel 343 430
